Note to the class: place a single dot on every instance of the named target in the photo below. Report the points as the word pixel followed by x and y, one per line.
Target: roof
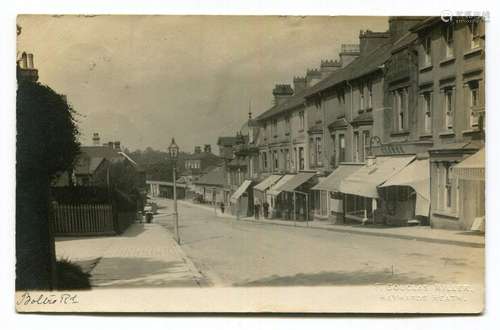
pixel 332 182
pixel 86 165
pixel 426 23
pixel 213 178
pixel 201 155
pixel 365 181
pixel 359 67
pixel 227 141
pixel 101 151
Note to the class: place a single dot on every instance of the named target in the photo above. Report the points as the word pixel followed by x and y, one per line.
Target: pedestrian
pixel 257 210
pixel 266 209
pixel 222 207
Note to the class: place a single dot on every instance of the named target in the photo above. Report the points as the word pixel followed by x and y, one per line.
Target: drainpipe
pixel 350 87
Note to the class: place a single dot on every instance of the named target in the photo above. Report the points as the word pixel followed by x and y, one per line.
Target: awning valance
pixel 276 189
pixel 417 176
pixel 332 182
pixel 241 189
pixel 471 168
pixel 297 180
pixel 267 182
pixel 364 181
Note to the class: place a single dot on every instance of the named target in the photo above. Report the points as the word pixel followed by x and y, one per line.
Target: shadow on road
pixel 338 278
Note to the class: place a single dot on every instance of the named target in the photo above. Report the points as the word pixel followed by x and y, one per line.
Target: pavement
pixel 419 233
pixel 146 255
pixel 229 252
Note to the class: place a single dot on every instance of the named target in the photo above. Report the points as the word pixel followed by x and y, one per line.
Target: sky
pixel 142 80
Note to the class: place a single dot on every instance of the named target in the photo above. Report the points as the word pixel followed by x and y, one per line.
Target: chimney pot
pixel 96 139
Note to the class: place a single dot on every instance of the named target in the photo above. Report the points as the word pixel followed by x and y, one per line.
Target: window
pixel 264 159
pixel 362 96
pixel 265 131
pixel 448 108
pixel 275 127
pixel 448 39
pixel 341 148
pixel 287 159
pixel 312 151
pixel 318 151
pixel 301 158
pixel 275 159
pixel 370 96
pixel 448 187
pixel 334 156
pixel 474 104
pixel 427 112
pixel 356 146
pixel 474 34
pixel 401 106
pixel 427 51
pixel 366 145
pixel 295 158
pixel 301 120
pixel 287 124
pixel 341 97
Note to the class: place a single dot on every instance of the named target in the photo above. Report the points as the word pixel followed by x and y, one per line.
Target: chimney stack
pixel 208 148
pixel 313 76
pixel 328 66
pixel 197 149
pixel 400 25
pixel 282 92
pixel 110 144
pixel 369 40
pixel 96 139
pixel 299 84
pixel 117 145
pixel 348 53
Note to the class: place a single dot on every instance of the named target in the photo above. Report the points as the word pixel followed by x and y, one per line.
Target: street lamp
pixel 173 151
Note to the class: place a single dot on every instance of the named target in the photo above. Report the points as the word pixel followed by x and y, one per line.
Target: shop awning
pixel 471 168
pixel 417 176
pixel 241 189
pixel 364 181
pixel 276 189
pixel 297 180
pixel 332 182
pixel 267 182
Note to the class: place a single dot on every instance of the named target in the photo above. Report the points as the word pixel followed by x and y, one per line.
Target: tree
pixel 47 144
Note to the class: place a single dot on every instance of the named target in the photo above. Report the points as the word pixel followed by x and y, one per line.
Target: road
pixel 229 252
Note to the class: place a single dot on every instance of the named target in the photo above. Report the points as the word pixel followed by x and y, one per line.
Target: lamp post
pixel 173 151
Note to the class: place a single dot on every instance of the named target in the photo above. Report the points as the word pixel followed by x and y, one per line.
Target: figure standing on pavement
pixel 266 209
pixel 222 207
pixel 257 210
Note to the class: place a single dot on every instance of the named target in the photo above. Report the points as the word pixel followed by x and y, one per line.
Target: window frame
pixel 449 36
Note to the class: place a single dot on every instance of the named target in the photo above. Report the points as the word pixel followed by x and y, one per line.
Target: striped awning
pixel 471 168
pixel 267 182
pixel 241 189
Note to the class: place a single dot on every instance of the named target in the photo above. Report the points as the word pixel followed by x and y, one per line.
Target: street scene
pixel 249 152
pixel 222 251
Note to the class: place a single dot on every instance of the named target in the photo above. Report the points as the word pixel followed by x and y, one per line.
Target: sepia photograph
pixel 250 164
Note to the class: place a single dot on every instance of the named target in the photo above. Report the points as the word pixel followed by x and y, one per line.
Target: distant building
pixel 199 162
pixel 226 144
pixel 25 67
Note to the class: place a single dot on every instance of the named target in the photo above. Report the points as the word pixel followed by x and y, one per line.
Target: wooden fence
pixel 83 219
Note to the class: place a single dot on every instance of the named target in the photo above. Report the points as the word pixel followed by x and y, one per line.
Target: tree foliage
pixel 47 132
